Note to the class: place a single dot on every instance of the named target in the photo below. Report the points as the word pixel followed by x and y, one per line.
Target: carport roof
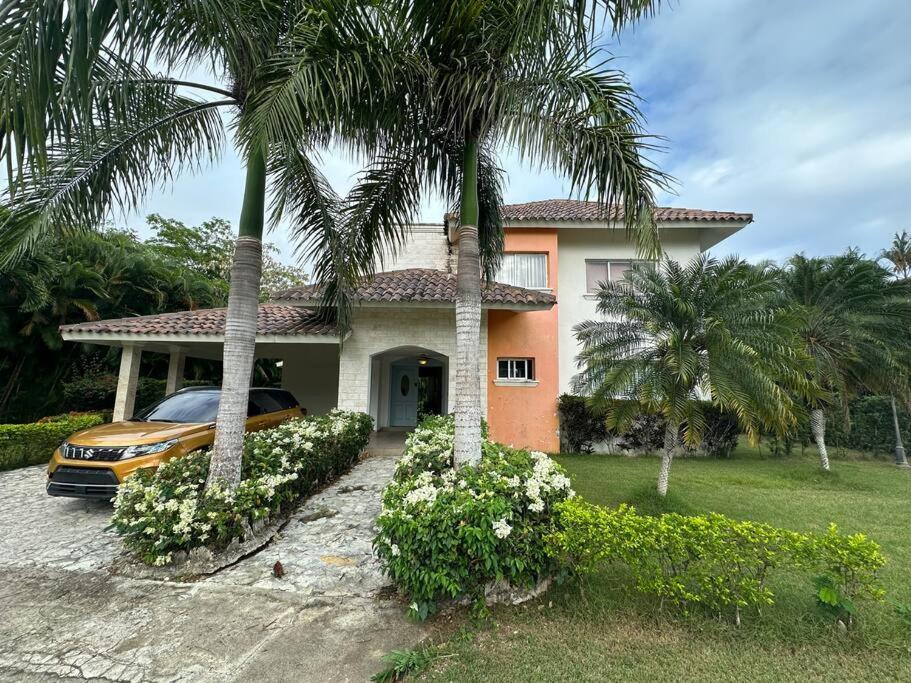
pixel 273 320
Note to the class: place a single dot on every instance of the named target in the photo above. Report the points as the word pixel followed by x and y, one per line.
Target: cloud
pixel 797 111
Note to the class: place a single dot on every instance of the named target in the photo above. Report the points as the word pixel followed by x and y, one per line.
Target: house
pixel 398 359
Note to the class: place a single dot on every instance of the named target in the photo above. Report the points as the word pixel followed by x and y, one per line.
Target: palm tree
pixel 486 76
pixel 96 110
pixel 899 255
pixel 852 321
pixel 674 333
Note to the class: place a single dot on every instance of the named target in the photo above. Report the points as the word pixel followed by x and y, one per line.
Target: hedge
pixel 715 562
pixel 581 427
pixel 96 392
pixel 34 443
pixel 870 428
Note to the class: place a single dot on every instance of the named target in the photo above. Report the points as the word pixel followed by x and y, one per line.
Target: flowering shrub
pixel 159 513
pixel 446 533
pixel 711 560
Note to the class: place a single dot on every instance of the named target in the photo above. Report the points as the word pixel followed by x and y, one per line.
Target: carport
pixel 307 345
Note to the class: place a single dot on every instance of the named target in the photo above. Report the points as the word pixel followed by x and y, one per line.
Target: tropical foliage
pixel 517 74
pixel 97 110
pixel 853 321
pixel 447 533
pixel 899 255
pixel 110 273
pixel 714 562
pixel 673 333
pixel 166 511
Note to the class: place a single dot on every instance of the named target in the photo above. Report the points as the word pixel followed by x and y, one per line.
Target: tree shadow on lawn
pixel 647 502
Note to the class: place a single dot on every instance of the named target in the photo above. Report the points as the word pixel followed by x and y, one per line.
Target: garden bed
pixel 171 526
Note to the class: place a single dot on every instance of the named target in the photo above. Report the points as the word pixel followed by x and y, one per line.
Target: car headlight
pixel 147 449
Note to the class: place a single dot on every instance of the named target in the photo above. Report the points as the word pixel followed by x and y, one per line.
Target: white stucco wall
pixel 376 330
pixel 425 247
pixel 310 372
pixel 578 244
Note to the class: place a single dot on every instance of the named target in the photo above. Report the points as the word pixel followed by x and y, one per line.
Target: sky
pixel 797 112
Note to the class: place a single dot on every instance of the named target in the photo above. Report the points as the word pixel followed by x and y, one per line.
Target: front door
pixel 403 398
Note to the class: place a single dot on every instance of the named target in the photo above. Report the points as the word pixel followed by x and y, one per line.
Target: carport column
pixel 126 382
pixel 175 372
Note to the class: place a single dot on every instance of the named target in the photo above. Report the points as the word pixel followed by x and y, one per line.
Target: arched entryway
pixel 407 383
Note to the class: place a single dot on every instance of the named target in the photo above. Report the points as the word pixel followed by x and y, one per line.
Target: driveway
pixel 65 614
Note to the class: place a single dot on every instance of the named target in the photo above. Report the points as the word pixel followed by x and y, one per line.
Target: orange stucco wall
pixel 525 416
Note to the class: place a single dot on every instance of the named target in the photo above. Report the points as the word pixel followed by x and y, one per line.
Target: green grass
pixel 603 632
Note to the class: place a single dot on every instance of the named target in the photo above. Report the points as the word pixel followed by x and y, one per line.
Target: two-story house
pixel 397 361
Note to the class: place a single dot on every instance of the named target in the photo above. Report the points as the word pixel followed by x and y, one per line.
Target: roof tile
pixel 271 320
pixel 424 285
pixel 577 210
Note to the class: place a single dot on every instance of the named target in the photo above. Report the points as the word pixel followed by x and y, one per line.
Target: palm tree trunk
pixel 240 329
pixel 900 458
pixel 818 427
pixel 670 446
pixel 467 446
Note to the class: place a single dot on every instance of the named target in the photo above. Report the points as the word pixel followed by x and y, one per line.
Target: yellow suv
pixel 93 462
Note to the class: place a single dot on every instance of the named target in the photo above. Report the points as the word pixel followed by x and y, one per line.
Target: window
pixel 523 270
pixel 516 369
pixel 597 272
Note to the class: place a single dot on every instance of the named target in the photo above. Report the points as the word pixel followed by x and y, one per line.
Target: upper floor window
pixel 598 271
pixel 523 270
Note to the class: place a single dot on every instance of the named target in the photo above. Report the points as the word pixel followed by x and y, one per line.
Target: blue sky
pixel 799 112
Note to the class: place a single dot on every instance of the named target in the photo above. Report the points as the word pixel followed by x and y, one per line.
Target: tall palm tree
pixel 899 255
pixel 674 333
pixel 97 110
pixel 853 316
pixel 490 75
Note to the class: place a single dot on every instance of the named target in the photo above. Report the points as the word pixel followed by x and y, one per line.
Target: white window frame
pixel 542 254
pixel 511 378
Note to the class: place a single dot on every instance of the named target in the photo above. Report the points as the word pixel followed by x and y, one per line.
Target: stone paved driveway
pixel 64 614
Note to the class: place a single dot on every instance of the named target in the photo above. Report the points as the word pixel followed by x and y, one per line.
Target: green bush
pixel 869 429
pixel 710 561
pixel 162 512
pixel 581 426
pixel 449 534
pixel 97 391
pixel 34 443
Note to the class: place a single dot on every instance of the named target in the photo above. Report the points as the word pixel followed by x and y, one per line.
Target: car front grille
pixel 74 452
pixel 83 482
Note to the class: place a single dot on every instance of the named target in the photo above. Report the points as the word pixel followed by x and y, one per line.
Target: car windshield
pixel 200 405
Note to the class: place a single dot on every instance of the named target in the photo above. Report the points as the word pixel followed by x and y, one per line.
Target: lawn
pixel 606 633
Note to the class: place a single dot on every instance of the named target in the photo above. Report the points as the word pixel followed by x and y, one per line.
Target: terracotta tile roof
pixel 575 210
pixel 271 320
pixel 425 285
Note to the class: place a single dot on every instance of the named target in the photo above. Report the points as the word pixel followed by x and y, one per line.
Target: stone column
pixel 126 382
pixel 176 364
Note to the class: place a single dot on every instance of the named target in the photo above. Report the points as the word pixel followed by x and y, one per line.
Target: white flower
pixel 501 529
pixel 395 550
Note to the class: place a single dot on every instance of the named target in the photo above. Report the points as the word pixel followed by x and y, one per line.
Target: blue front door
pixel 403 394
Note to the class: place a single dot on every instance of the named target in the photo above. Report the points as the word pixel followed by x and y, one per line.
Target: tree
pixel 485 76
pixel 899 255
pixel 83 276
pixel 853 317
pixel 673 333
pixel 95 112
pixel 208 249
